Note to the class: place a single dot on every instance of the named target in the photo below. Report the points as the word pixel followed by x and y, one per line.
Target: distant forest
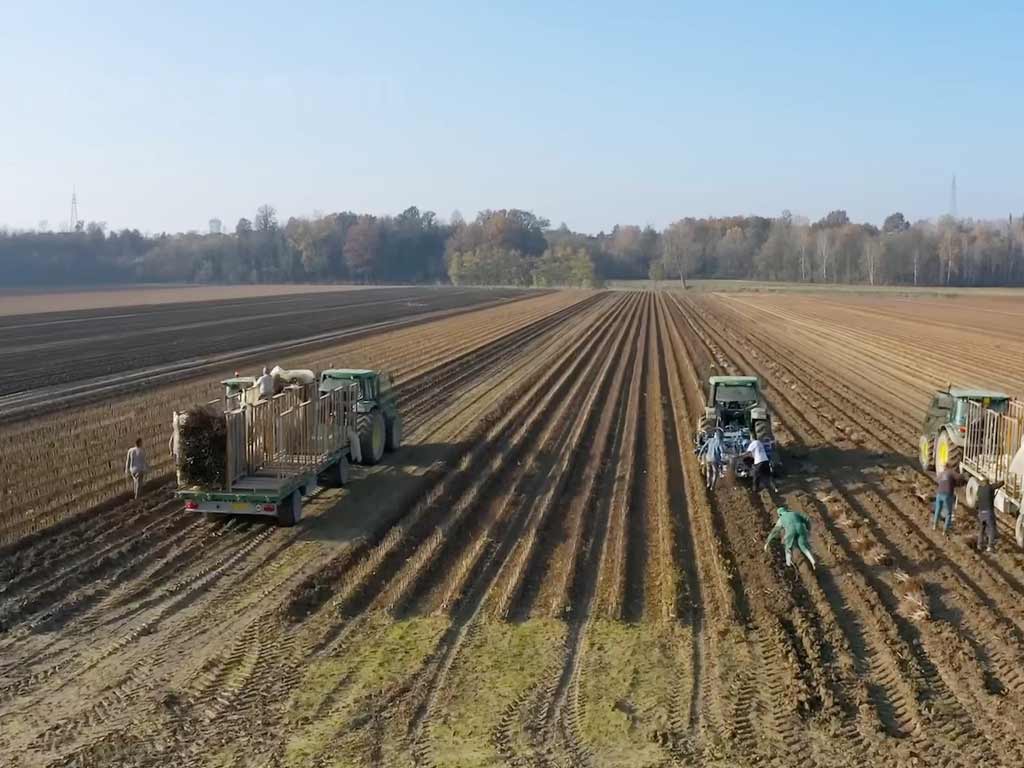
pixel 515 247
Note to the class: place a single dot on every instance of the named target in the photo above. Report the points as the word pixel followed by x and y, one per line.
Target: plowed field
pixel 540 578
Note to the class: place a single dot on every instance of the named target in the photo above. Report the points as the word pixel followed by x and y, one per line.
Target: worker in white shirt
pixel 174 448
pixel 265 383
pixel 135 467
pixel 762 466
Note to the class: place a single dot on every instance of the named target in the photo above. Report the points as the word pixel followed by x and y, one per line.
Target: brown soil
pixel 540 578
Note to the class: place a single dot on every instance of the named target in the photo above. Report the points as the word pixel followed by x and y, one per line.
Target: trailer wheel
pixel 343 471
pixel 290 510
pixel 971 493
pixel 394 434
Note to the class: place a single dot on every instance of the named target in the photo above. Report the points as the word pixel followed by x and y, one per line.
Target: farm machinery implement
pixel 254 455
pixel 981 434
pixel 734 404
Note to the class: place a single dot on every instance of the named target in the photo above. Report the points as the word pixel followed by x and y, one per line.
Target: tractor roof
pixel 236 381
pixel 348 373
pixel 963 393
pixel 742 380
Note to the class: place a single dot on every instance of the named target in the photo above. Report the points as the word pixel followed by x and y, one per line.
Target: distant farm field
pixel 539 577
pixel 29 301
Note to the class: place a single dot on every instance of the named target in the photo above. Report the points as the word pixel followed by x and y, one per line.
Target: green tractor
pixel 735 404
pixel 945 426
pixel 377 421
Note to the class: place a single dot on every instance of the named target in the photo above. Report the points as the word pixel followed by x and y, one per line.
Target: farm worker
pixel 135 467
pixel 797 528
pixel 762 467
pixel 712 454
pixel 174 447
pixel 986 507
pixel 945 498
pixel 265 383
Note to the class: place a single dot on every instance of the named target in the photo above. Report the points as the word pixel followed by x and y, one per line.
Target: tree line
pixel 516 247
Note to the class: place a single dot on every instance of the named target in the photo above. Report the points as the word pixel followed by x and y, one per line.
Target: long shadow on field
pixel 379 495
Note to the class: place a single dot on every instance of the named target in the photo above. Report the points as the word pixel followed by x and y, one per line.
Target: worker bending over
pixel 762 466
pixel 712 455
pixel 796 527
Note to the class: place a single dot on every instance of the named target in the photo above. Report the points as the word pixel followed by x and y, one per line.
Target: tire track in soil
pixel 358 600
pixel 425 683
pixel 788 634
pixel 474 362
pixel 991 656
pixel 945 691
pixel 685 721
pixel 992 584
pixel 596 494
pixel 268 529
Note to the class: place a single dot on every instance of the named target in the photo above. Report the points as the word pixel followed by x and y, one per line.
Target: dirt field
pixel 539 578
pixel 56 359
pixel 24 301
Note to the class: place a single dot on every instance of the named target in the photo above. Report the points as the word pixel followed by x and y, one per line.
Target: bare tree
pixel 825 247
pixel 266 218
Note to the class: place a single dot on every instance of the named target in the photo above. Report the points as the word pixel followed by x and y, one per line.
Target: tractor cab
pixel 734 405
pixel 945 426
pixel 734 399
pixel 378 422
pixel 374 386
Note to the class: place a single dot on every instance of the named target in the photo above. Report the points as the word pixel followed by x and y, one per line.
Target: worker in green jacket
pixel 797 527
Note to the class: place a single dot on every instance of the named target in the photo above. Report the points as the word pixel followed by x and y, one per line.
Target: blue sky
pixel 167 114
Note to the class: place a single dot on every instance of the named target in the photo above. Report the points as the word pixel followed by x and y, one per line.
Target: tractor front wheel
pixel 947 453
pixel 926 453
pixel 394 434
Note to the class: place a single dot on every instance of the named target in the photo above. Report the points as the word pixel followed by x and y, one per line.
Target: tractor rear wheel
pixel 947 453
pixel 926 453
pixel 394 434
pixel 763 429
pixel 371 430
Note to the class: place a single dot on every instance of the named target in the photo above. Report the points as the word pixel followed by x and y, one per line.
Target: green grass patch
pixel 631 673
pixel 502 661
pixel 378 656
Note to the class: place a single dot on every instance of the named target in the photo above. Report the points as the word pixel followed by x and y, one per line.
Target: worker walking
pixel 945 498
pixel 762 466
pixel 987 514
pixel 135 467
pixel 265 384
pixel 796 529
pixel 712 456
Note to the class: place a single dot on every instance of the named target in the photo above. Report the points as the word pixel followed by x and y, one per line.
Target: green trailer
pixel 278 452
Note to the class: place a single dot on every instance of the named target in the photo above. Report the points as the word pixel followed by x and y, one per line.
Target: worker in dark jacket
pixel 797 530
pixel 986 507
pixel 945 497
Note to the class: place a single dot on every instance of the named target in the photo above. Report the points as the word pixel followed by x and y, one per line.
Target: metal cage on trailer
pixel 993 450
pixel 277 452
